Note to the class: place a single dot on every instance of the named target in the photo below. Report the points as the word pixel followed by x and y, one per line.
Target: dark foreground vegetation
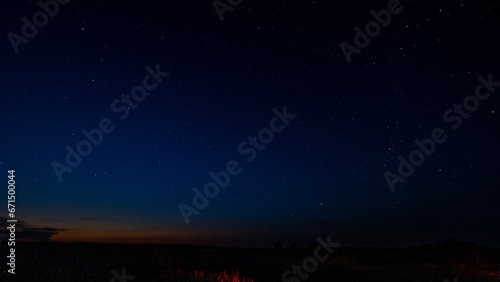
pixel 95 262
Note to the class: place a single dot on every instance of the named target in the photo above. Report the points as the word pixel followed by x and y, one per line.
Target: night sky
pixel 230 80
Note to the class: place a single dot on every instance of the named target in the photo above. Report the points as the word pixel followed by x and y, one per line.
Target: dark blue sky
pixel 324 173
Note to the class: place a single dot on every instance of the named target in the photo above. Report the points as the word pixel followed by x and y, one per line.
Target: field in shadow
pixel 95 262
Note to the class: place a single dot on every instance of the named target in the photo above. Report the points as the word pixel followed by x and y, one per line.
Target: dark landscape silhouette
pixel 95 262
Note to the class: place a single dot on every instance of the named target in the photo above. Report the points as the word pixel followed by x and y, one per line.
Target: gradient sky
pixel 323 174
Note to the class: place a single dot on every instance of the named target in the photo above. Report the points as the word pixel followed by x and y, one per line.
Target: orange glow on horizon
pixel 117 236
pixel 138 237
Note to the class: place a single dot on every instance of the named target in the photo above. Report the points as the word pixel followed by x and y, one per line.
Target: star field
pixel 323 174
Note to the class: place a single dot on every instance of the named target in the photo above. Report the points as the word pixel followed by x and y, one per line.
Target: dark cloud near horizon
pixel 33 233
